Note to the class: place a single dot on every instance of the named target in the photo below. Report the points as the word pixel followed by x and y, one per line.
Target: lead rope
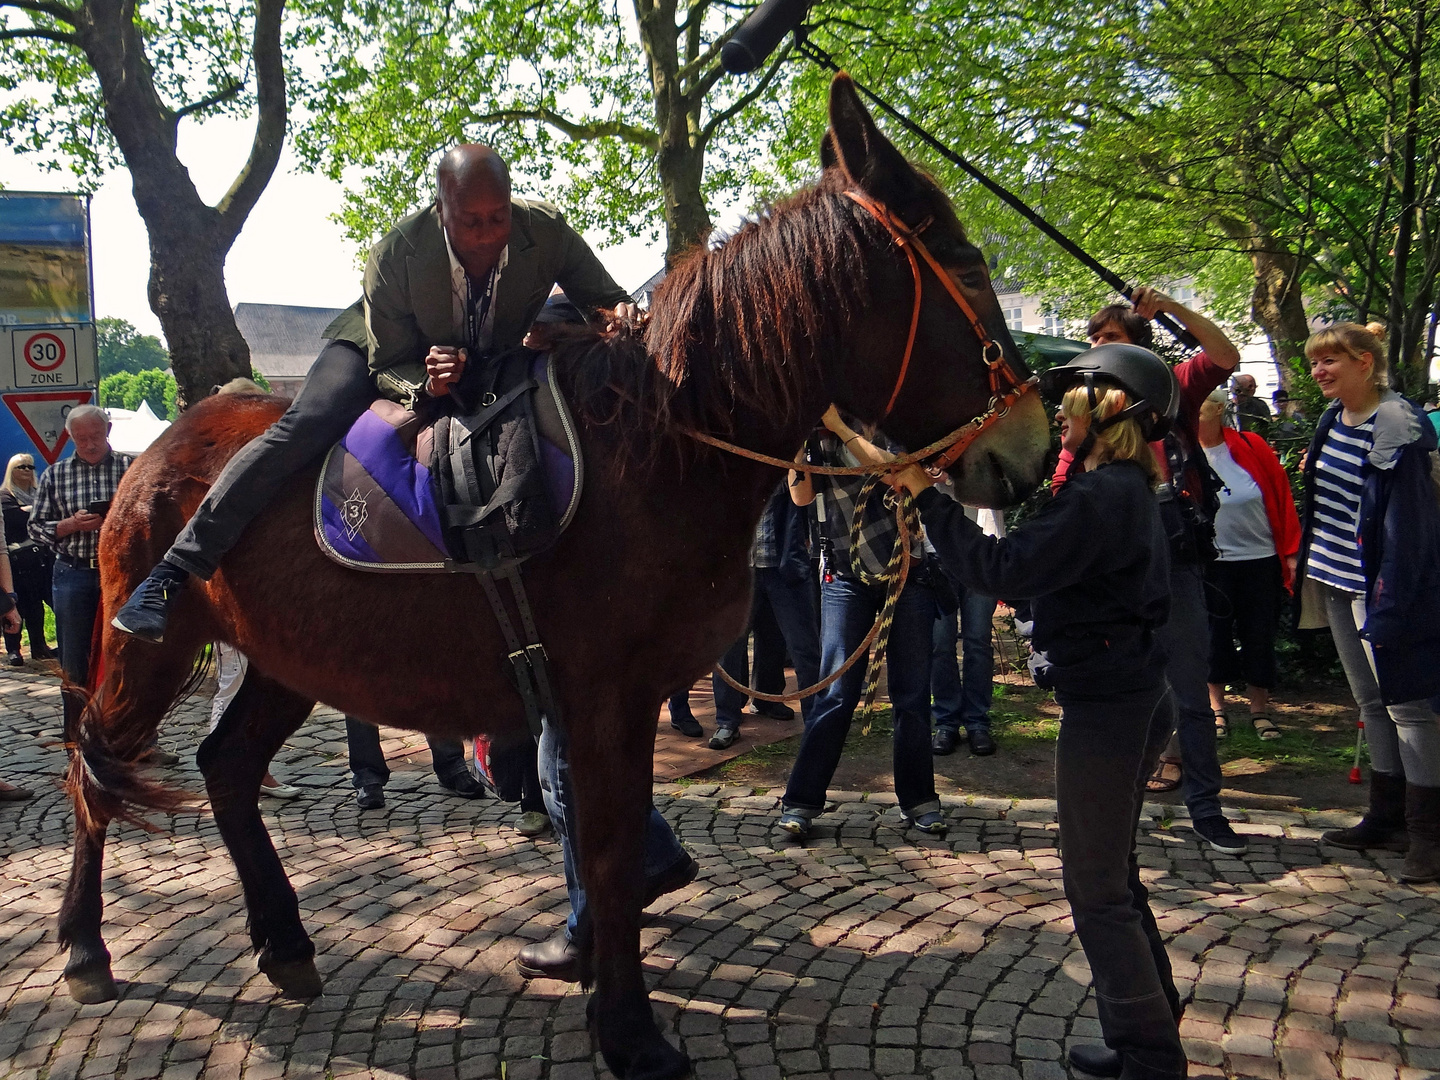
pixel 897 572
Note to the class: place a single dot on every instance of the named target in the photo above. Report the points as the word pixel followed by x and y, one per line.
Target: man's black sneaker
pixel 687 726
pixel 1096 1059
pixel 370 797
pixel 148 610
pixel 1216 832
pixel 464 785
pixel 981 743
pixel 775 710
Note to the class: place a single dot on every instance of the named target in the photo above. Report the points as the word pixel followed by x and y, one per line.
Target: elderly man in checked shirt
pixel 69 510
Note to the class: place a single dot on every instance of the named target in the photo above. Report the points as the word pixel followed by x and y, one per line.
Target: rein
pixel 1005 390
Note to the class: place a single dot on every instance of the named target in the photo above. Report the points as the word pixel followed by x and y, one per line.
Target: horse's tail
pixel 107 743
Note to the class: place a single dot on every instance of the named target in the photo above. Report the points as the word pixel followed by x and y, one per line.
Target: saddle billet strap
pixel 529 667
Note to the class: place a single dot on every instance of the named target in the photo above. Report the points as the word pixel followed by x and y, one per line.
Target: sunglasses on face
pixel 31 468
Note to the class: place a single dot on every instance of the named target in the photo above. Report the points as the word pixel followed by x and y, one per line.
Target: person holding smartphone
pixel 1095 562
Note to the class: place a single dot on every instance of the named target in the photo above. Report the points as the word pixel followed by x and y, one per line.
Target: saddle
pixel 479 488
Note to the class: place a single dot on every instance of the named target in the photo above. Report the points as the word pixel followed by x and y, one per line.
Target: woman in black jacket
pixel 29 563
pixel 1095 562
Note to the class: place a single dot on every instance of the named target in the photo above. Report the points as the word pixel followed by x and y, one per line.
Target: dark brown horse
pixel 750 341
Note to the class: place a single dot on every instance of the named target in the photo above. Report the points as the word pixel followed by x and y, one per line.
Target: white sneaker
pixel 280 791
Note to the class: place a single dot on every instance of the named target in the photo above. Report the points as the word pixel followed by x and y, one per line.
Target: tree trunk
pixel 1276 303
pixel 189 239
pixel 681 157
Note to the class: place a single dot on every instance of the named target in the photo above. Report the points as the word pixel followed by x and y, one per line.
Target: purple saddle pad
pixel 377 504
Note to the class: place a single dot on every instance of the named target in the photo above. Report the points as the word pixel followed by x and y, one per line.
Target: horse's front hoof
pixel 92 986
pixel 293 978
pixel 653 1058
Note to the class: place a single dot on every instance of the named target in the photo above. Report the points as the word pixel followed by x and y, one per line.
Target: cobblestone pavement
pixel 869 953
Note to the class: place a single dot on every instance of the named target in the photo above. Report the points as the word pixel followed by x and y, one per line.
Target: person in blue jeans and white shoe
pixel 848 607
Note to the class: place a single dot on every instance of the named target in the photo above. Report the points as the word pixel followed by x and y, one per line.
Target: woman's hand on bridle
pixel 911 478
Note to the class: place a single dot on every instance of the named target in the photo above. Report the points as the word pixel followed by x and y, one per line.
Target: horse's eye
pixel 974 279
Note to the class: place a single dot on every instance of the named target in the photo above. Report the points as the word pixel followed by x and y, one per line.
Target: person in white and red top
pixel 1191 757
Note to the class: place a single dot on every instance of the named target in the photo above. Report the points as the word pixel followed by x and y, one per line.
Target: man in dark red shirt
pixel 1186 635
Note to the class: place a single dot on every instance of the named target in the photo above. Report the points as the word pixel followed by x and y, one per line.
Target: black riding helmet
pixel 1151 385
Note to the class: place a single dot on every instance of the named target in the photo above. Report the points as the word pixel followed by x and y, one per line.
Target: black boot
pixel 1383 825
pixel 1422 818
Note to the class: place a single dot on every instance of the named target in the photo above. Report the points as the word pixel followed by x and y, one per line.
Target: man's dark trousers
pixel 367 760
pixel 336 391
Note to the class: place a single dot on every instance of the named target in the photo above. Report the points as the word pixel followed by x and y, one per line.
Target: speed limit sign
pixel 45 358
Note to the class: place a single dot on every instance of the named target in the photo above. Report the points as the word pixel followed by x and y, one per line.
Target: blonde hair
pixel 1351 339
pixel 1122 441
pixel 18 459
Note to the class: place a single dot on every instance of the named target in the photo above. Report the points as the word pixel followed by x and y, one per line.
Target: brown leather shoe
pixel 558 959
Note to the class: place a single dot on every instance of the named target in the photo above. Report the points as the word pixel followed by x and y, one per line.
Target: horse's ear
pixel 828 157
pixel 868 158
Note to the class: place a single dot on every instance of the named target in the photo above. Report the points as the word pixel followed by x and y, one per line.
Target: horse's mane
pixel 735 328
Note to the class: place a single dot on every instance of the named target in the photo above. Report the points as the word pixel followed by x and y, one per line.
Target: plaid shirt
pixel 835 506
pixel 67 488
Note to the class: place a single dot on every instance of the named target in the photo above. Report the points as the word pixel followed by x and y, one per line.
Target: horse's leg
pixel 137 691
pixel 233 760
pixel 611 761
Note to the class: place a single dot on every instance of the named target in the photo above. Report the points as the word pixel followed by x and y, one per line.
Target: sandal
pixel 1264 726
pixel 1162 781
pixel 1222 725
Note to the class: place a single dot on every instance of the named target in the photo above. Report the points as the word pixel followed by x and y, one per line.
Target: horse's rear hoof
pixel 293 978
pixel 93 986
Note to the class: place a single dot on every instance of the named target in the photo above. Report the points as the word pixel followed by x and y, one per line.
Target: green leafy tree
pixel 618 113
pixel 120 347
pixel 90 84
pixel 1280 155
pixel 127 390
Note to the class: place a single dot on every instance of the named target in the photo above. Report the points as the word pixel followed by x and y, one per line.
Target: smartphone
pixel 99 506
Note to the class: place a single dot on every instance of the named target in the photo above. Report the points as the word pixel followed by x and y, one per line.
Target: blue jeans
pixel 662 849
pixel 964 702
pixel 794 608
pixel 76 600
pixel 847 610
pixel 1186 638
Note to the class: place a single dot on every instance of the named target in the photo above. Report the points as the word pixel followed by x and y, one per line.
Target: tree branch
pixel 44 35
pixel 576 130
pixel 269 61
pixel 42 7
pixel 204 103
pixel 740 103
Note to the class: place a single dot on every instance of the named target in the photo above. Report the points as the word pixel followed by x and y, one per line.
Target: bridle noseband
pixel 1006 388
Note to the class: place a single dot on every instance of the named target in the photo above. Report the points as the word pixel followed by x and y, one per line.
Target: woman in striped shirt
pixel 1370 567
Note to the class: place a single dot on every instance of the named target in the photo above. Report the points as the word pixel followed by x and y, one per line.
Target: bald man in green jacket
pixel 456 282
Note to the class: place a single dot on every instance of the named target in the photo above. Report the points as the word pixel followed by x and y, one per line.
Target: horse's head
pixel 945 380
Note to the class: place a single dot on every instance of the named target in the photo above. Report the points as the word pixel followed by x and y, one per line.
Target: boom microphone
pixel 760 33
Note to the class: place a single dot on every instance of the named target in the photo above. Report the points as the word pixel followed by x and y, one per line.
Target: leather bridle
pixel 1006 388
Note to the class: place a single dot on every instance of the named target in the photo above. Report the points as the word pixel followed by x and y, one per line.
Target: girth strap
pixel 529 663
